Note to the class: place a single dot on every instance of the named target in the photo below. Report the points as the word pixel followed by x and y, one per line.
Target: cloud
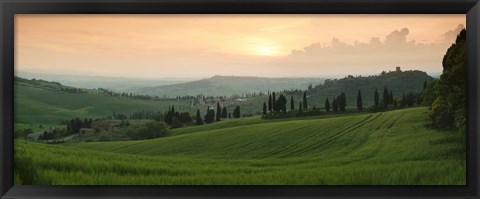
pixel 396 49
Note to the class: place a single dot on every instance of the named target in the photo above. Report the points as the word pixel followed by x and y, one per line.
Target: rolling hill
pixel 229 85
pixel 42 102
pixel 390 148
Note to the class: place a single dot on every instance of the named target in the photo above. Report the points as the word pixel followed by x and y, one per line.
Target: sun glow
pixel 266 50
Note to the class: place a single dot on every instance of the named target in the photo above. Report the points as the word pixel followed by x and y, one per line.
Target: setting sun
pixel 266 50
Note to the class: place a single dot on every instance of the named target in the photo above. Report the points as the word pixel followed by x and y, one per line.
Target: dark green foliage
pixel 341 102
pixel 149 131
pixel 176 123
pixel 22 133
pixel 335 105
pixel 292 103
pixel 198 118
pixel 428 94
pixel 386 96
pixel 395 103
pixel 264 109
pixel 219 112
pixel 76 124
pixel 390 97
pixel 403 102
pixel 270 107
pixel 224 113
pixel 327 105
pixel 236 112
pixel 359 101
pixel 210 116
pixel 376 98
pixel 300 107
pixel 305 104
pixel 281 104
pixel 448 110
pixel 411 99
pixel 274 101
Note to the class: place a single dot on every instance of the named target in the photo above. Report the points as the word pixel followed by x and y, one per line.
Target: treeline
pixel 276 108
pixel 221 113
pixel 75 124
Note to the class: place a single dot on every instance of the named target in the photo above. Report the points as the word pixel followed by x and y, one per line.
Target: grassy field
pixel 40 106
pixel 390 148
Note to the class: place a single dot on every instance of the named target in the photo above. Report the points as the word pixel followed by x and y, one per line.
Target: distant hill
pixel 398 82
pixel 229 85
pixel 119 84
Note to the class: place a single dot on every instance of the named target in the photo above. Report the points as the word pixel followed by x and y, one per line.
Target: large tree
pixel 359 101
pixel 448 110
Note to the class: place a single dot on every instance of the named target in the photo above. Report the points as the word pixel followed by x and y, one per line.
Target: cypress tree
pixel 385 97
pixel 300 107
pixel 305 105
pixel 327 105
pixel 292 104
pixel 264 108
pixel 335 105
pixel 274 101
pixel 342 102
pixel 270 103
pixel 375 97
pixel 198 118
pixel 359 101
pixel 390 98
pixel 236 112
pixel 403 103
pixel 224 113
pixel 219 112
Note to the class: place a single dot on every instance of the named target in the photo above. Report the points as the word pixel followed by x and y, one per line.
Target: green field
pixel 389 148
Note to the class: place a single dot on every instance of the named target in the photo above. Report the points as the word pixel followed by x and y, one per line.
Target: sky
pixel 200 46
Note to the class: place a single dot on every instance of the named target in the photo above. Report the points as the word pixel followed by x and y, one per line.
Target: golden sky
pixel 162 46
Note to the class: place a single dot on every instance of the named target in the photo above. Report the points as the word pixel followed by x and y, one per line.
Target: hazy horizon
pixel 202 46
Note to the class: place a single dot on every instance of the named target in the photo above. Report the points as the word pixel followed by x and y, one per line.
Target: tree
pixel 224 113
pixel 403 102
pixel 274 101
pixel 292 103
pixel 281 104
pixel 270 103
pixel 341 102
pixel 395 103
pixel 198 118
pixel 327 105
pixel 300 108
pixel 335 105
pixel 210 116
pixel 386 95
pixel 375 97
pixel 359 101
pixel 264 108
pixel 219 112
pixel 305 105
pixel 236 112
pixel 148 131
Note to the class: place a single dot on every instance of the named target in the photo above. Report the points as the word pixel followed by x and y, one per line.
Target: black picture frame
pixel 9 8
